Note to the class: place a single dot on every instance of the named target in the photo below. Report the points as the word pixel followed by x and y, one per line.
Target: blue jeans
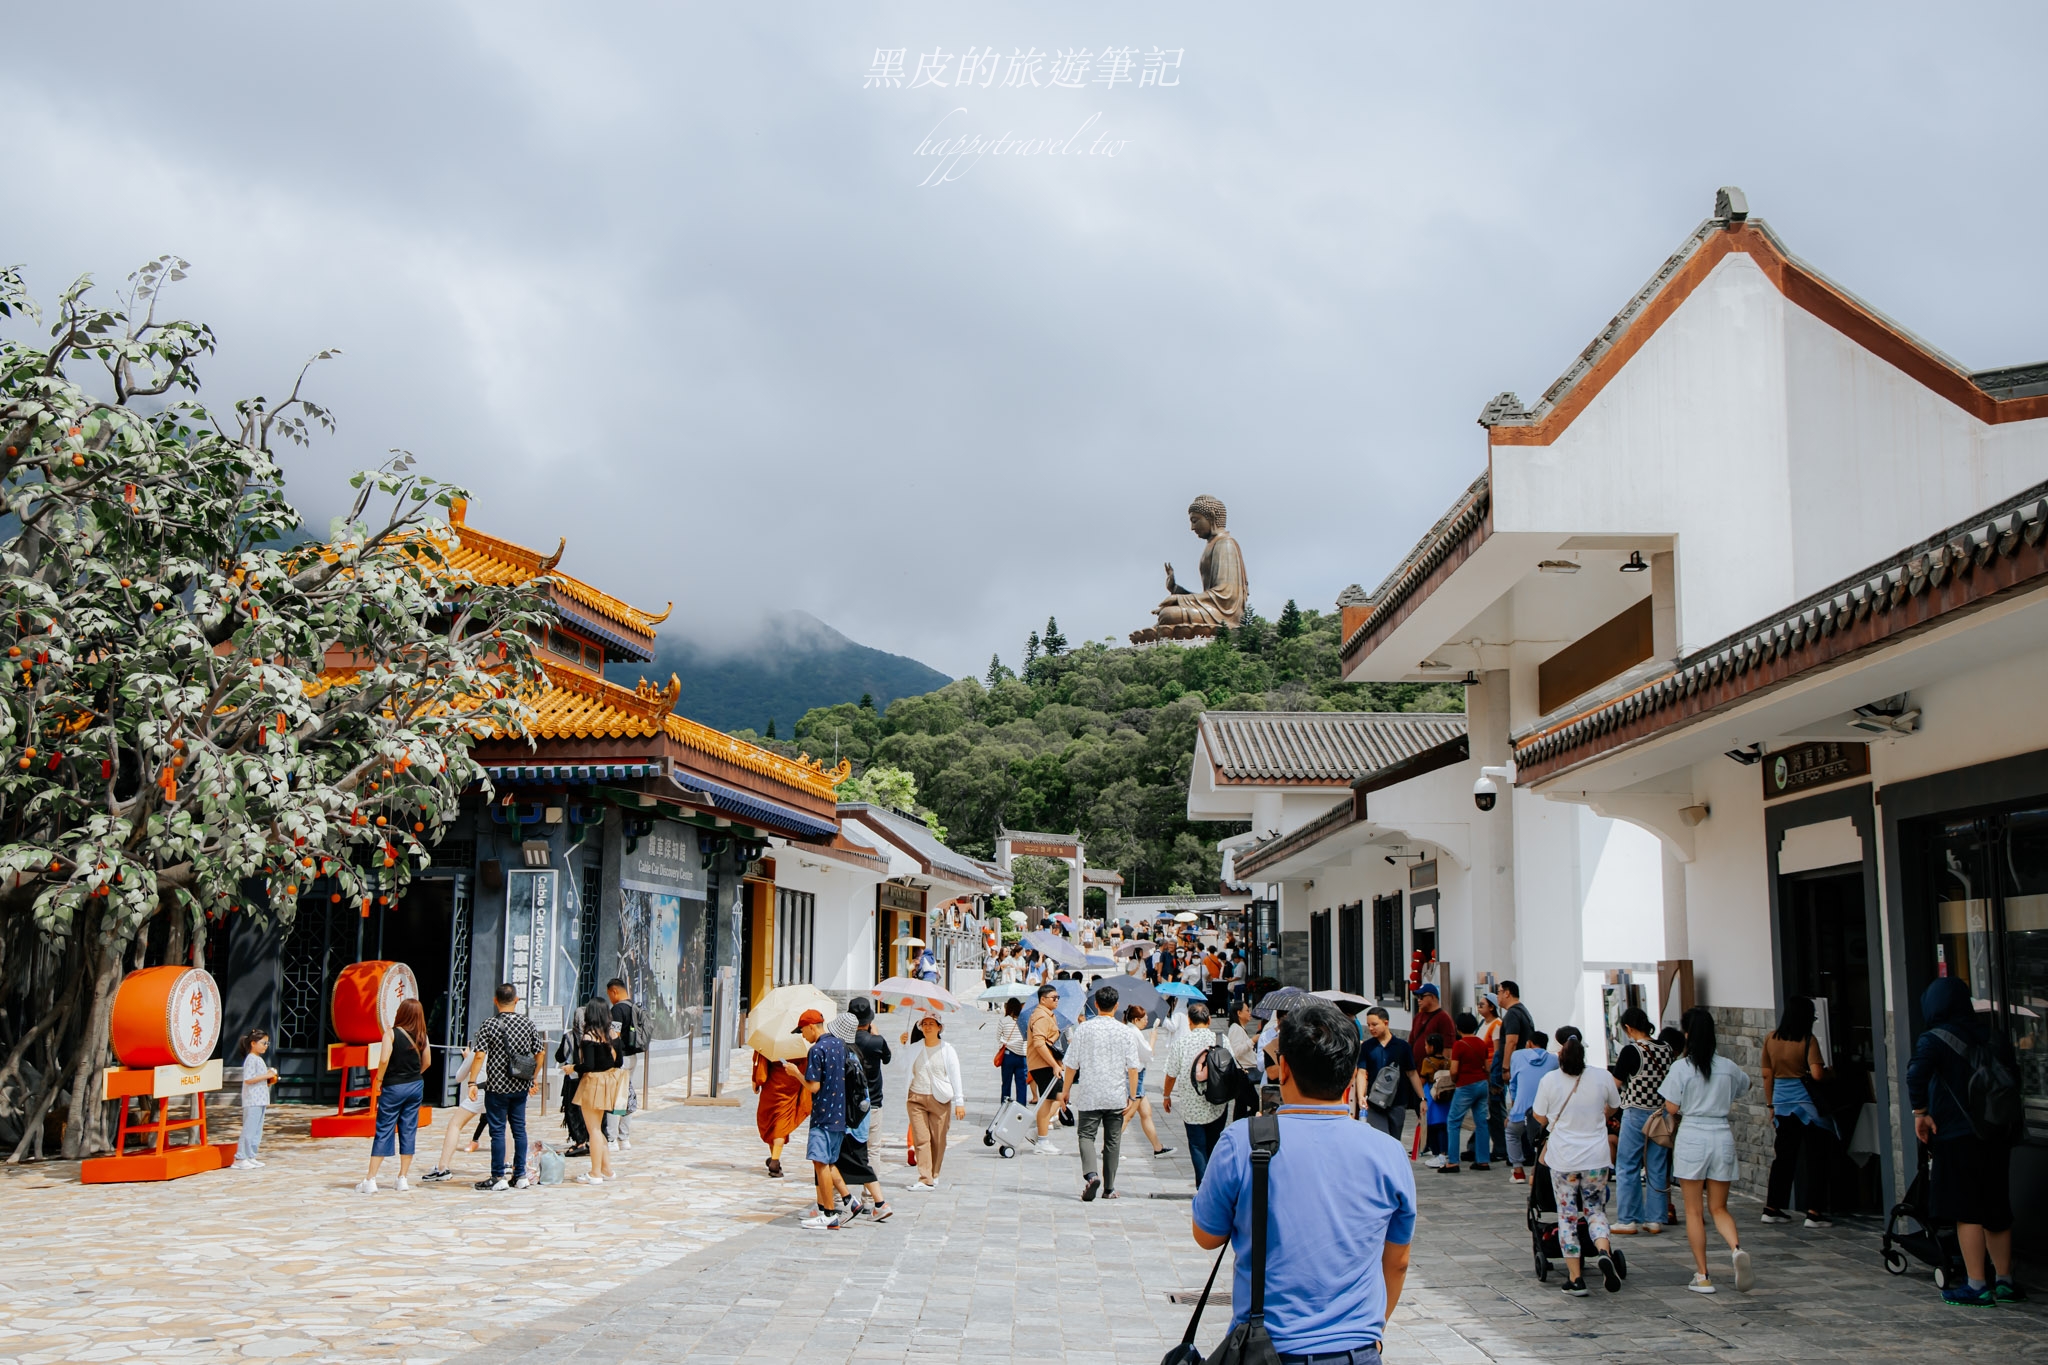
pixel 398 1117
pixel 1634 1158
pixel 500 1110
pixel 1016 1078
pixel 1202 1140
pixel 1469 1099
pixel 252 1132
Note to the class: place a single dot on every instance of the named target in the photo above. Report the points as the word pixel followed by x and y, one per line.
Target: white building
pixel 930 892
pixel 1752 599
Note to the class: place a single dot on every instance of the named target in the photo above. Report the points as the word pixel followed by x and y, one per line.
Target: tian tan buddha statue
pixel 1188 614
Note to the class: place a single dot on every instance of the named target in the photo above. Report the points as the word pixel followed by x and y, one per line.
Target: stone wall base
pixel 1739 1035
pixel 1294 958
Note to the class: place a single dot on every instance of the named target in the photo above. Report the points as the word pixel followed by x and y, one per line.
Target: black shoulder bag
pixel 1247 1344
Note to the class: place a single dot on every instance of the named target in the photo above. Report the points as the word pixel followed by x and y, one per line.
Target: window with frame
pixel 796 922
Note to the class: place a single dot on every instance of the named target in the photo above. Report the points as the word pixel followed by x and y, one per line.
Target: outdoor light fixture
pixel 535 852
pixel 1394 858
pixel 1692 815
pixel 1557 566
pixel 1635 562
pixel 1754 754
pixel 1471 678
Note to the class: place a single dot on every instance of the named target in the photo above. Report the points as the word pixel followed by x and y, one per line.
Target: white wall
pixel 844 949
pixel 1782 456
pixel 1727 890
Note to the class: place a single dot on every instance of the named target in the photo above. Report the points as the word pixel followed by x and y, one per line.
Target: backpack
pixel 1213 1073
pixel 1249 1343
pixel 856 1081
pixel 629 1032
pixel 1992 1098
pixel 1385 1083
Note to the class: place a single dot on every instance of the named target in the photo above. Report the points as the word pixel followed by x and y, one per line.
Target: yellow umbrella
pixel 771 1024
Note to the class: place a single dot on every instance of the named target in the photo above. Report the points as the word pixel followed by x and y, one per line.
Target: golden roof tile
pixel 494 560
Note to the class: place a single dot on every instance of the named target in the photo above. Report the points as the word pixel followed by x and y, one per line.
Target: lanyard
pixel 1325 1111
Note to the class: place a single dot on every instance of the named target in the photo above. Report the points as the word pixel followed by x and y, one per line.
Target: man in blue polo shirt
pixel 1341 1202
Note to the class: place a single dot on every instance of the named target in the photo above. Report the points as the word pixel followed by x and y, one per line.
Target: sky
pixel 700 288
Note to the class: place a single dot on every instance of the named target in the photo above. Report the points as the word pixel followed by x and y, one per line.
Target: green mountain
pixel 796 663
pixel 1100 740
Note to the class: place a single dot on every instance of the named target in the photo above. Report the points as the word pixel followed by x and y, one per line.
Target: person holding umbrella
pixel 936 1097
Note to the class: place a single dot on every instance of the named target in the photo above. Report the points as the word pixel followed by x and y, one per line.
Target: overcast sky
pixel 669 281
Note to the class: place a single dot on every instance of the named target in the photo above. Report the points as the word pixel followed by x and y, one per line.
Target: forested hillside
pixel 1099 740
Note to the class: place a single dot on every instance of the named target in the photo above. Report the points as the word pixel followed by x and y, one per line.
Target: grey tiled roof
pixel 1466 517
pixel 1318 748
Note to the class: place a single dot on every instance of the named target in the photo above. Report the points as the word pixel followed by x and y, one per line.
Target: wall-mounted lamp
pixel 1635 562
pixel 1471 679
pixel 1394 859
pixel 1692 815
pixel 1748 757
pixel 1557 566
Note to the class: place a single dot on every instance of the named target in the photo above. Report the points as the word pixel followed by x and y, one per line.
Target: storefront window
pixel 1989 881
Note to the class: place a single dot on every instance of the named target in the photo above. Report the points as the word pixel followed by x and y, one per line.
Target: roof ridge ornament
pixel 1502 409
pixel 1731 206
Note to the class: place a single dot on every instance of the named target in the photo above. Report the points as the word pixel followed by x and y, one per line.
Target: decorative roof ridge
pixel 538 564
pixel 1269 851
pixel 1467 516
pixel 1334 716
pixel 804 773
pixel 1969 546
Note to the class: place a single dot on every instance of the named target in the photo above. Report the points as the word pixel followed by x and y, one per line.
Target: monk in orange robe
pixel 783 1107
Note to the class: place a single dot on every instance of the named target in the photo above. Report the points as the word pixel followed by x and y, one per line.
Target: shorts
pixel 1705 1151
pixel 1041 1076
pixel 825 1144
pixel 1970 1181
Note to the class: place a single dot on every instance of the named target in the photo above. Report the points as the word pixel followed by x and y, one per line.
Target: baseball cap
pixel 806 1018
pixel 1428 988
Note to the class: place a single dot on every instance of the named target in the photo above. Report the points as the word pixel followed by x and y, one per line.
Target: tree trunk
pixel 82 1134
pixel 175 932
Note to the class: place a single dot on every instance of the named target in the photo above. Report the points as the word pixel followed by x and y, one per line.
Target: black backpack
pixel 856 1081
pixel 1213 1073
pixel 1992 1098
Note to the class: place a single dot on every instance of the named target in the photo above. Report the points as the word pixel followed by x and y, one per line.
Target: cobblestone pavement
pixel 1003 1264
pixel 696 1255
pixel 288 1263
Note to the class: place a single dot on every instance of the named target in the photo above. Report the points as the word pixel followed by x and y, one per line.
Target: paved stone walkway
pixel 1003 1264
pixel 696 1255
pixel 288 1263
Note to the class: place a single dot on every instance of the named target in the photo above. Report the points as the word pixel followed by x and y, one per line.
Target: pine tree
pixel 867 701
pixel 1055 643
pixel 771 727
pixel 1290 620
pixel 996 671
pixel 1030 651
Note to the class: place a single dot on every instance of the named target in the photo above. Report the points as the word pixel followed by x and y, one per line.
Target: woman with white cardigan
pixel 936 1098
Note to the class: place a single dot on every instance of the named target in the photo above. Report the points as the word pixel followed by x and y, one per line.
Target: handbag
pixel 1661 1127
pixel 1248 1343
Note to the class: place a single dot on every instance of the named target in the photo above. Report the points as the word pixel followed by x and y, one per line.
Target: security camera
pixel 1486 790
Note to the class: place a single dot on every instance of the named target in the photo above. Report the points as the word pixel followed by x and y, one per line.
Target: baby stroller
pixel 1910 1230
pixel 1542 1216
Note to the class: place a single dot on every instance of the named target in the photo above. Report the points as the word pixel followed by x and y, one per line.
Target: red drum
pixel 165 1016
pixel 366 999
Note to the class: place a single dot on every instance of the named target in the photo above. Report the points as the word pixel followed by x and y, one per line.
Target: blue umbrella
pixel 1059 950
pixel 1098 960
pixel 1066 1011
pixel 1183 990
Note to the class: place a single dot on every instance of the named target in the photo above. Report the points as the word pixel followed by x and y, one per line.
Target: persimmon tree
pixel 203 711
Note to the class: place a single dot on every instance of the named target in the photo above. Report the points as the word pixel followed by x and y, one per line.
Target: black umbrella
pixel 1278 1001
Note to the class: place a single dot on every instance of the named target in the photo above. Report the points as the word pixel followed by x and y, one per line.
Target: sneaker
pixel 496 1182
pixel 821 1222
pixel 920 1187
pixel 625 1144
pixel 882 1212
pixel 2005 1291
pixel 244 1166
pixel 612 1143
pixel 852 1209
pixel 1576 1288
pixel 524 1182
pixel 1091 1187
pixel 1701 1285
pixel 1624 1229
pixel 366 1187
pixel 1610 1276
pixel 1045 1147
pixel 1773 1216
pixel 403 1185
pixel 1482 1165
pixel 1965 1297
pixel 1162 1151
pixel 259 1165
pixel 588 1179
pixel 438 1173
pixel 1745 1273
pixel 1520 1177
pixel 1815 1220
pixel 1433 1159
pixel 1653 1229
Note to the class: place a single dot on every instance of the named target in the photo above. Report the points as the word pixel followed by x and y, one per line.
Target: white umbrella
pixel 907 992
pixel 1187 917
pixel 907 942
pixel 771 1021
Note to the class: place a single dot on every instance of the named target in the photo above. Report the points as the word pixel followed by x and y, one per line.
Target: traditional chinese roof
pixel 909 834
pixel 493 560
pixel 1995 554
pixel 1449 543
pixel 1318 748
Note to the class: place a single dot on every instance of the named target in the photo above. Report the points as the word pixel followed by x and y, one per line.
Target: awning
pixel 756 810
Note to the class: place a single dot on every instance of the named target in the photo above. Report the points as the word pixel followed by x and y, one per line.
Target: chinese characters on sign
pixel 980 68
pixel 1819 763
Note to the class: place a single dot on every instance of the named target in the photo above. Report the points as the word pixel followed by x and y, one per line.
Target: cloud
pixel 660 279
